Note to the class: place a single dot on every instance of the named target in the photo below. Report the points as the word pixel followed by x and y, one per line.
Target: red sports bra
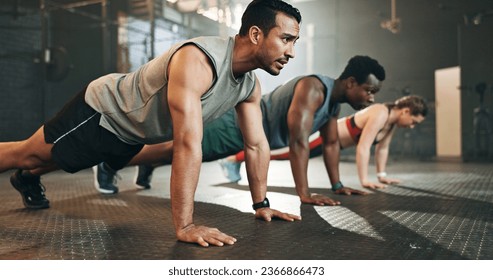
pixel 355 131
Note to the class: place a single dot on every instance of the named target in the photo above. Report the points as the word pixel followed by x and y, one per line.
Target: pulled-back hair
pixel 360 67
pixel 262 13
pixel 416 104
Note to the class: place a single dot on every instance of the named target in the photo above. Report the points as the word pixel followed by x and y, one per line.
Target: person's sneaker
pixel 31 189
pixel 231 170
pixel 104 179
pixel 144 176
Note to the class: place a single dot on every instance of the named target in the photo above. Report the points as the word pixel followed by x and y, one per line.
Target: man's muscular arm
pixel 185 88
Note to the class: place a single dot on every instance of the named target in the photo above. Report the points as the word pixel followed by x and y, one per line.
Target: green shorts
pixel 222 138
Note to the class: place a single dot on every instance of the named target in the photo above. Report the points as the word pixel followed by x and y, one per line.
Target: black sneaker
pixel 31 189
pixel 144 176
pixel 104 179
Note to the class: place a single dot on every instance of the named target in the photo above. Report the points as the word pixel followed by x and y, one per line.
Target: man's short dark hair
pixel 360 67
pixel 262 13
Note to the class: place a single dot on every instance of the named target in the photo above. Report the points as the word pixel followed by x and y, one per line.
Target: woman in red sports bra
pixel 375 125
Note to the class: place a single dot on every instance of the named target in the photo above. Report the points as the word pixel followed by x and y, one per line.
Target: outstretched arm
pixel 331 154
pixel 257 153
pixel 375 122
pixel 381 156
pixel 308 97
pixel 186 86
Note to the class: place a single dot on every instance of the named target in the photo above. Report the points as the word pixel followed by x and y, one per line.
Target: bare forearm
pixel 331 160
pixel 381 156
pixel 184 178
pixel 362 160
pixel 257 166
pixel 298 157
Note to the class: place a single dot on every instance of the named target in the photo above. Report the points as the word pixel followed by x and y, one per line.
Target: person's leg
pixel 117 156
pixel 147 159
pixel 30 188
pixel 32 154
pixel 32 158
pixel 106 171
pixel 104 178
pixel 154 154
pixel 221 138
pixel 143 176
pixel 39 154
pixel 231 168
pixel 231 165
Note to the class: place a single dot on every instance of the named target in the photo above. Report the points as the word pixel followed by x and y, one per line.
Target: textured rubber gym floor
pixel 440 211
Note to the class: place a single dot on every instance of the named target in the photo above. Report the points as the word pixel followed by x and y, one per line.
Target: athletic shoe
pixel 144 176
pixel 231 169
pixel 104 179
pixel 31 189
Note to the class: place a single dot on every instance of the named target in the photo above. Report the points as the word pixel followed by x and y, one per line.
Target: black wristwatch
pixel 263 204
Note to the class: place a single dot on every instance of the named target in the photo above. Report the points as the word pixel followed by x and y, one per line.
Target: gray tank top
pixel 275 108
pixel 134 106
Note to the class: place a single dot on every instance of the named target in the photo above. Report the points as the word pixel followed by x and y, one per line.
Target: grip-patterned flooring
pixel 440 211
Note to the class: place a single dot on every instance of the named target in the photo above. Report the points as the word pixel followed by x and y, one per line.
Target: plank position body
pixel 168 98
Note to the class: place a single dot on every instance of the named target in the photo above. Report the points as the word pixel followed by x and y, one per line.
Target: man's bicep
pixel 190 75
pixel 190 71
pixel 185 109
pixel 186 113
pixel 250 122
pixel 249 113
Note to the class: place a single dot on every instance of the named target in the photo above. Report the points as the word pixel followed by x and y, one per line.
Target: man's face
pixel 360 96
pixel 277 47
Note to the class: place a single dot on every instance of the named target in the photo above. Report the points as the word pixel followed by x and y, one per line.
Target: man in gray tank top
pixel 291 113
pixel 168 98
